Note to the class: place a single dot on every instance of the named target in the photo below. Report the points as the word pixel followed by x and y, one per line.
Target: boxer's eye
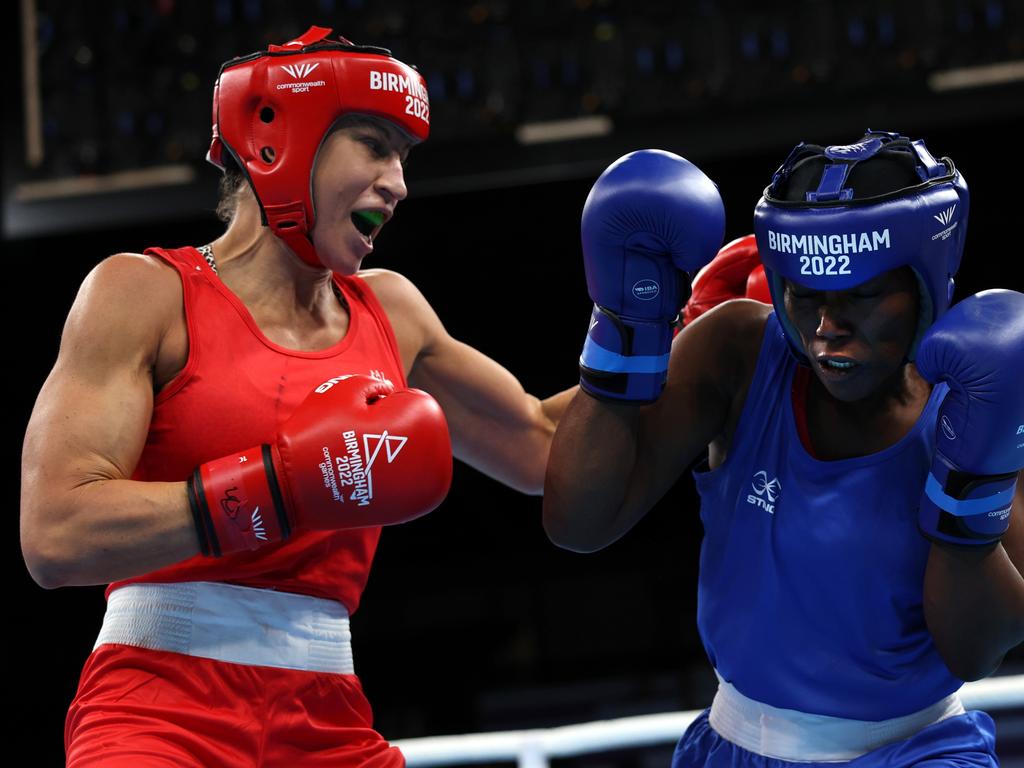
pixel 375 145
pixel 801 294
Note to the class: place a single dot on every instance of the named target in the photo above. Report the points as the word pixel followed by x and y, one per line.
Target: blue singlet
pixel 811 572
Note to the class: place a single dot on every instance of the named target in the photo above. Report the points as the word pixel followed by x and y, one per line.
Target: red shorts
pixel 136 707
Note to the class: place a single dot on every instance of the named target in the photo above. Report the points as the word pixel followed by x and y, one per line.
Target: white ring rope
pixel 533 748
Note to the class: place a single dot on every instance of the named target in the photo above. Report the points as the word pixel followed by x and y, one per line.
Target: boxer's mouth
pixel 836 367
pixel 369 223
pixel 837 362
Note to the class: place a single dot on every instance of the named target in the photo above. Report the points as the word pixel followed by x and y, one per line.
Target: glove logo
pixel 767 491
pixel 257 525
pixel 231 505
pixel 392 443
pixel 645 290
pixel 947 429
pixel 355 469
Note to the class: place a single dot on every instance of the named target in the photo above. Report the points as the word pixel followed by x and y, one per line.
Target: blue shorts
pixel 964 741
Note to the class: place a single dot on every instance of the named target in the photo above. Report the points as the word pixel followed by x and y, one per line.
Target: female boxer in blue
pixel 864 438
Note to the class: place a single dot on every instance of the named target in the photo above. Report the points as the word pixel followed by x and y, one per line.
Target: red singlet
pixel 138 707
pixel 235 391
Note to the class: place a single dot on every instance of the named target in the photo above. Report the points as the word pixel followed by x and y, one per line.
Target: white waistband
pixel 786 734
pixel 229 623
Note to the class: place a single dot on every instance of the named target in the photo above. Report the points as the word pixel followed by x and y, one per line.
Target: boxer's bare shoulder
pixel 719 353
pixel 131 310
pixel 733 333
pixel 412 318
pixel 127 304
pixel 737 327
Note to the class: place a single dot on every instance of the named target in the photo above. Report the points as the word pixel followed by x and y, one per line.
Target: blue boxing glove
pixel 651 217
pixel 977 347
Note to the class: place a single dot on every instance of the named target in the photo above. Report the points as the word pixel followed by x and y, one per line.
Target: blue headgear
pixel 835 239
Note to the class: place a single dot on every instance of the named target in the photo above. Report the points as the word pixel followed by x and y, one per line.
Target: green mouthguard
pixel 376 218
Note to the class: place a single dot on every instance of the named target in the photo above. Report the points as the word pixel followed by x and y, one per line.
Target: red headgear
pixel 272 110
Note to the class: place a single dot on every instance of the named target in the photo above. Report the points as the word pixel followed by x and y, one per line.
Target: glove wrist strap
pixel 964 508
pixel 625 359
pixel 236 502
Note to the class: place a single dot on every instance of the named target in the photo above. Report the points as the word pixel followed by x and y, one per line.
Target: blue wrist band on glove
pixel 967 509
pixel 625 360
pixel 597 358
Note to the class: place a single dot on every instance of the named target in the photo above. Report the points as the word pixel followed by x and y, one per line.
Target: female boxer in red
pixel 226 428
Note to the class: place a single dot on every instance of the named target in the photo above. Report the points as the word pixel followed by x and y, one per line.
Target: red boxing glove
pixel 355 453
pixel 735 273
pixel 757 286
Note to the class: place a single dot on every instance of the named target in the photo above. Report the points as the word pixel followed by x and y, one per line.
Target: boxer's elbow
pixel 48 574
pixel 971 666
pixel 569 531
pixel 574 516
pixel 47 564
pixel 972 632
pixel 46 546
pixel 974 656
pixel 564 538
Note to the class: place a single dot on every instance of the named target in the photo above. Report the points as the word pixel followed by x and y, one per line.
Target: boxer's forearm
pixel 974 607
pixel 106 530
pixel 510 442
pixel 588 476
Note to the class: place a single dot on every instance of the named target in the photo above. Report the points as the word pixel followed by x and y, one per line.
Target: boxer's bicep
pixel 91 416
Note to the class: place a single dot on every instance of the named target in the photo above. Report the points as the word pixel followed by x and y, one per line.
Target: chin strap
pixel 288 222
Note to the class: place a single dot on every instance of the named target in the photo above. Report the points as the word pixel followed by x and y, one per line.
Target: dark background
pixel 472 621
